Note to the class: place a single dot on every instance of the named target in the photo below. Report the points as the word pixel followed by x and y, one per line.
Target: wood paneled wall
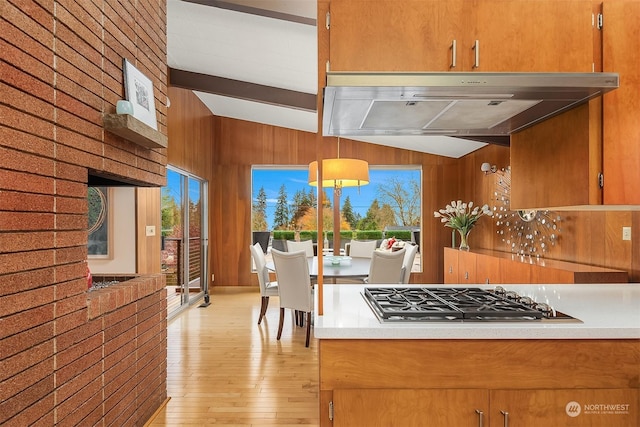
pixel 226 157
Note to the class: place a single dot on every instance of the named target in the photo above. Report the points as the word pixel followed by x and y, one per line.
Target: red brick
pixel 25 182
pixel 120 320
pixel 84 20
pixel 27 142
pixel 22 241
pixel 26 339
pixel 26 320
pixel 89 356
pixel 25 122
pixel 119 371
pixel 25 398
pixel 84 90
pixel 23 360
pixel 86 397
pixel 71 304
pixel 70 238
pixel 25 162
pixel 25 62
pixel 79 142
pixel 25 280
pixel 75 106
pixel 25 300
pixel 70 254
pixel 70 172
pixel 16 201
pixel 71 222
pixel 38 414
pixel 24 221
pixel 36 13
pixel 71 188
pixel 71 321
pixel 71 288
pixel 73 329
pixel 69 272
pixel 115 343
pixel 124 411
pixel 26 102
pixel 70 154
pixel 19 261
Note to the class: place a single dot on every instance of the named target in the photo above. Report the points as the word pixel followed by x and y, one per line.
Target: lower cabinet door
pixel 408 408
pixel 567 408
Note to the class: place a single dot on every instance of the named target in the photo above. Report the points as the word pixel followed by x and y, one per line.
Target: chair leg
pixel 263 308
pixel 308 329
pixel 281 322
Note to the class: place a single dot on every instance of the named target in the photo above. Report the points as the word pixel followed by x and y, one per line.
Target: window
pixel 285 206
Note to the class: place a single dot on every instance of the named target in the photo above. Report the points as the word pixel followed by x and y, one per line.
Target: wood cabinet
pixel 460 35
pixel 568 157
pixel 574 407
pixel 483 266
pixel 494 408
pixel 448 382
pixel 409 407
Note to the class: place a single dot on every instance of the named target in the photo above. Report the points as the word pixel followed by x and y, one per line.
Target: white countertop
pixel 608 311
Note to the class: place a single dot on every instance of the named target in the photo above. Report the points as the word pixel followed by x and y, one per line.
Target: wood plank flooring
pixel 225 369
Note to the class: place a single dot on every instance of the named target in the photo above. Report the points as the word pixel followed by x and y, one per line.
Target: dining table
pixel 336 267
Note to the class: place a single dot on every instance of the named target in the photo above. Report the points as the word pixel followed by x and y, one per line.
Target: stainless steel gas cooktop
pixel 448 304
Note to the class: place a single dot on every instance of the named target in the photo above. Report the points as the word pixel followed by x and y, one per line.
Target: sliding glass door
pixel 184 238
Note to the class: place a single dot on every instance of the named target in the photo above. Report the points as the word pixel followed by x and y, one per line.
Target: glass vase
pixel 464 236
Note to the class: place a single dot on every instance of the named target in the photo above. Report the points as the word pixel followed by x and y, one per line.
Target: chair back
pixel 407 262
pixel 362 248
pixel 294 282
pixel 386 267
pixel 261 266
pixel 303 245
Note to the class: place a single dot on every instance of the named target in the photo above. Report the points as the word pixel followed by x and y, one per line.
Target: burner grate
pixel 449 304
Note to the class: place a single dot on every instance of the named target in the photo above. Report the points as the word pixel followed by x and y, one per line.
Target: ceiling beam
pixel 267 13
pixel 242 90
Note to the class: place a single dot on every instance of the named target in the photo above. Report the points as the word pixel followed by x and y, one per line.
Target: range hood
pixel 486 107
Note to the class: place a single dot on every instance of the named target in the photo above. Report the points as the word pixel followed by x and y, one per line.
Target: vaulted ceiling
pixel 256 60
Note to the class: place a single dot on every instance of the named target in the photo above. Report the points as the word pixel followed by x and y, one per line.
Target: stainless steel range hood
pixel 482 106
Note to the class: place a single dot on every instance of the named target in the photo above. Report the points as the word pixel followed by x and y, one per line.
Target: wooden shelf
pixel 132 129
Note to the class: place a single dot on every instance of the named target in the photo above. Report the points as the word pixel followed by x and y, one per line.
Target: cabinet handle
pixel 476 48
pixel 506 418
pixel 453 53
pixel 480 417
pixel 466 275
pixel 450 269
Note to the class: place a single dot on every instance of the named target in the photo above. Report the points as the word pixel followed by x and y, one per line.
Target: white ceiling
pixel 280 53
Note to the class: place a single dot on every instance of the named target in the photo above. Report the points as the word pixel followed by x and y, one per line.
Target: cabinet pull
pixel 453 54
pixel 480 417
pixel 506 418
pixel 466 275
pixel 450 269
pixel 476 48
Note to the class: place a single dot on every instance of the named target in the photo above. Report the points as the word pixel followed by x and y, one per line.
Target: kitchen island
pixel 569 373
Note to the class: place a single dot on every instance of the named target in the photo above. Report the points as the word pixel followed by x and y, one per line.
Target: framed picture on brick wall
pixel 138 90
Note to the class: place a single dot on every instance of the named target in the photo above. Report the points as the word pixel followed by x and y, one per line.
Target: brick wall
pixel 65 359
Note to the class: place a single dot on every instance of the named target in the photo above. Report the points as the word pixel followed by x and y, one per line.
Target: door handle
pixel 453 54
pixel 476 48
pixel 505 414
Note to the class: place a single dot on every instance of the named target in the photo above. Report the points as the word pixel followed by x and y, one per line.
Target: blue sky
pixel 295 179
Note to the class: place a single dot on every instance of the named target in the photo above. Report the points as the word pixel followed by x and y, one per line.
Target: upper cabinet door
pixel 531 36
pixel 384 35
pixel 621 151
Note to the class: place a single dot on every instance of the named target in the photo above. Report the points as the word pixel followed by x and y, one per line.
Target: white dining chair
pixel 303 245
pixel 294 286
pixel 407 262
pixel 267 287
pixel 361 248
pixel 386 267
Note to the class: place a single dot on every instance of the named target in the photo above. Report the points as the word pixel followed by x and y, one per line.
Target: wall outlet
pixel 626 233
pixel 151 230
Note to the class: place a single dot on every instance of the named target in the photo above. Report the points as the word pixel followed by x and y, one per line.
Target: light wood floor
pixel 225 369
